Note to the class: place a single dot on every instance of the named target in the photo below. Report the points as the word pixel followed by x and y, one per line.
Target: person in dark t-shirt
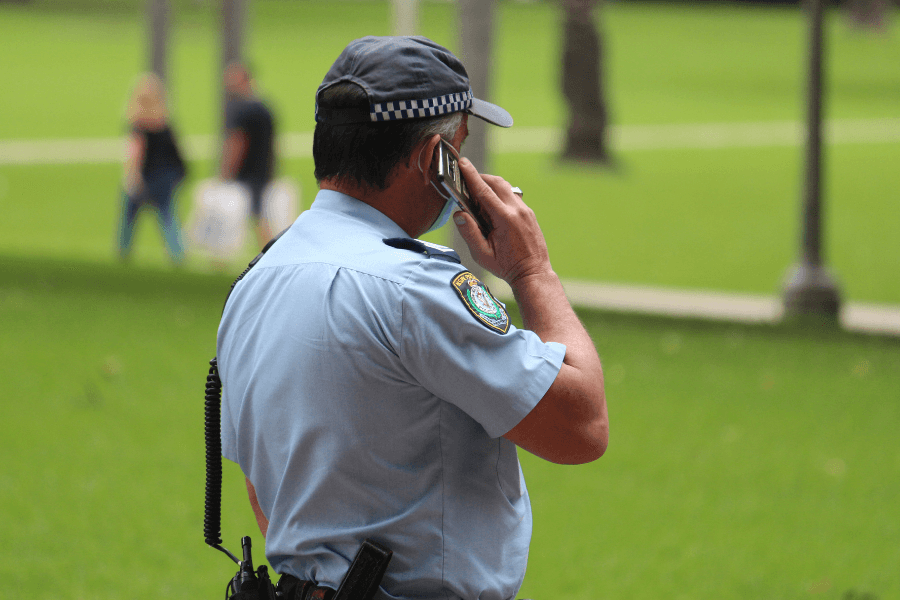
pixel 249 152
pixel 153 167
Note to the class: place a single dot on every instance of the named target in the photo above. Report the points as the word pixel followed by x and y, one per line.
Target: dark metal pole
pixel 812 220
pixel 158 34
pixel 476 34
pixel 810 289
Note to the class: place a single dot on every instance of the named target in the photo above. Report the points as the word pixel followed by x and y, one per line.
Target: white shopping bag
pixel 281 204
pixel 219 220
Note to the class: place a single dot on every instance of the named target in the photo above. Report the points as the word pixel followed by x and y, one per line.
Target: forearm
pixel 545 310
pixel 570 425
pixel 229 166
pixel 134 158
pixel 132 179
pixel 232 155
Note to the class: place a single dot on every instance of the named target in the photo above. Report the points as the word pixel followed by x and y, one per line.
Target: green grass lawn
pixel 745 462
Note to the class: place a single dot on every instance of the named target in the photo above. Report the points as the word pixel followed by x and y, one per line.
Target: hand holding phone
pixel 516 248
pixel 449 179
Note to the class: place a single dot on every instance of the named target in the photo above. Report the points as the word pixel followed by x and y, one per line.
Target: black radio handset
pixel 248 584
pixel 245 579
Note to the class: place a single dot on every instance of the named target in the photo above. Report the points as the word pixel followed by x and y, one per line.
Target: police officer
pixel 248 153
pixel 373 387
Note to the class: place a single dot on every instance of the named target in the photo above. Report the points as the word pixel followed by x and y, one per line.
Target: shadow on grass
pixel 166 283
pixel 111 279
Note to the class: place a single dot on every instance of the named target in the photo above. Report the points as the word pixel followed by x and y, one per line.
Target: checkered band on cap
pixel 414 109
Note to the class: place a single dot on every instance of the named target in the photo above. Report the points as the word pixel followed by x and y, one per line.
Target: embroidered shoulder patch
pixel 480 302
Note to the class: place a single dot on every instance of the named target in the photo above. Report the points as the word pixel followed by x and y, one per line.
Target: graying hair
pixel 445 126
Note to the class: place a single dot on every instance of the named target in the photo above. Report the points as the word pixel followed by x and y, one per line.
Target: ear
pixel 424 153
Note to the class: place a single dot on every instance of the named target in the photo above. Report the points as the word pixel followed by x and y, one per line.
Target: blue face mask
pixel 442 218
pixel 449 206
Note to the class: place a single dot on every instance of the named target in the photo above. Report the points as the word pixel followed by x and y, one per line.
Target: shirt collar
pixel 340 203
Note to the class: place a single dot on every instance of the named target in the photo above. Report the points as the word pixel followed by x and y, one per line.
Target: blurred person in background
pixel 153 167
pixel 248 155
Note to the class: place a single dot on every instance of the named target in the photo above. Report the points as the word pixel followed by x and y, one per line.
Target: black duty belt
pixel 291 588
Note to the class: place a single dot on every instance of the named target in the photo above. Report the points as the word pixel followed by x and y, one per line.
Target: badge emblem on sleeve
pixel 480 302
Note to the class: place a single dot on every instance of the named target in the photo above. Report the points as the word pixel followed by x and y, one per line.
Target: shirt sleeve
pixel 496 377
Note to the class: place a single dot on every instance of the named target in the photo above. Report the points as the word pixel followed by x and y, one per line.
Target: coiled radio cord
pixel 212 517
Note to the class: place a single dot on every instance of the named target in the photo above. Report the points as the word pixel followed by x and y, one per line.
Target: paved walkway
pixel 514 140
pixel 719 306
pixel 683 303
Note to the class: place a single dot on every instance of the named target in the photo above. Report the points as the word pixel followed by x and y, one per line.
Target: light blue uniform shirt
pixel 364 399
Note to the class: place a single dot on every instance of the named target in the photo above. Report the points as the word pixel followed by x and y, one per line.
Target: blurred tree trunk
pixel 582 84
pixel 476 35
pixel 158 34
pixel 405 17
pixel 232 24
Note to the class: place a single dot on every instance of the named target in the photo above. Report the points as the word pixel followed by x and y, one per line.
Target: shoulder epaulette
pixel 427 248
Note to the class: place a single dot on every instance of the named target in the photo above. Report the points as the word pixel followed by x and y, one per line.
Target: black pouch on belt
pixel 365 573
pixel 360 583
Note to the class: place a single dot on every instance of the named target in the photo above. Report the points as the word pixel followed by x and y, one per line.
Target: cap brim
pixel 490 112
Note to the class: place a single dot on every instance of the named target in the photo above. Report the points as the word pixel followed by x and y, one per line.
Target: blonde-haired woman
pixel 153 166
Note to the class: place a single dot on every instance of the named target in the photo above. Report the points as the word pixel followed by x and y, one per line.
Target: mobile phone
pixel 449 179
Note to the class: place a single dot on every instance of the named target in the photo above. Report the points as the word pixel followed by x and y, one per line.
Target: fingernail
pixel 459 219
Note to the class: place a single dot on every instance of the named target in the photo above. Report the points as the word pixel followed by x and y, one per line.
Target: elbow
pixel 601 442
pixel 594 430
pixel 571 429
pixel 593 433
pixel 592 444
pixel 582 444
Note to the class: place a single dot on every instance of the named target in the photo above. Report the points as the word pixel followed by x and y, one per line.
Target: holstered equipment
pixel 360 583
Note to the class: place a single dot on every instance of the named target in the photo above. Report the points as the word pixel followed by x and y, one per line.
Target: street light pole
pixel 810 289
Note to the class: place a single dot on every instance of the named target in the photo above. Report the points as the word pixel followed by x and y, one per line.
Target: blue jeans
pixel 158 193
